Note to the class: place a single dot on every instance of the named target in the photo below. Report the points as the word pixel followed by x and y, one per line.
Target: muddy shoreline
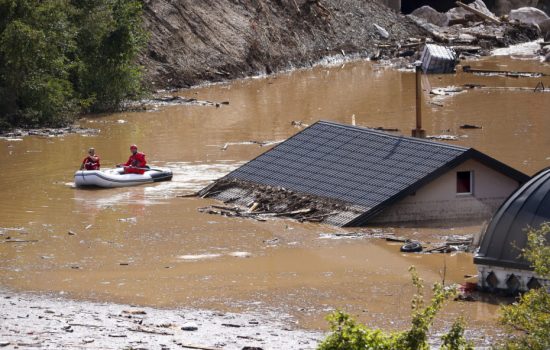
pixel 54 322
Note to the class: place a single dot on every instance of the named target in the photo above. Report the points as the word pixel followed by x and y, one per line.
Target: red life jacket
pixel 91 162
pixel 135 161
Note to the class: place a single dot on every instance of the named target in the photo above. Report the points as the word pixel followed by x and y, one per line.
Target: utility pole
pixel 418 132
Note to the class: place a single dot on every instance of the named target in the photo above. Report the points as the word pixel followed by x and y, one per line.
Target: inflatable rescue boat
pixel 117 178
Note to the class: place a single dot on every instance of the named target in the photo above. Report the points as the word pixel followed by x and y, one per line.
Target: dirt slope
pixel 194 41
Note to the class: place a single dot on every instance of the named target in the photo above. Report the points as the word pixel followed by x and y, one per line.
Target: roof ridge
pixel 385 134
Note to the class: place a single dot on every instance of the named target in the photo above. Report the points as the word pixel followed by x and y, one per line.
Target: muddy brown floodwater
pixel 145 246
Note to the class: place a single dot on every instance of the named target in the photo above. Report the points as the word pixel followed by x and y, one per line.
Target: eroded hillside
pixel 195 41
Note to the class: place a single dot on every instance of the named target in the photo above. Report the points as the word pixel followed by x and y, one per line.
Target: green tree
pixel 34 42
pixel 529 318
pixel 109 41
pixel 347 334
pixel 61 57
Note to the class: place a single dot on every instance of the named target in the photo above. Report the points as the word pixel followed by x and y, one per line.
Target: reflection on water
pixel 145 245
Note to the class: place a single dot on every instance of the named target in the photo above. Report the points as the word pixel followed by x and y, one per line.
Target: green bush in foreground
pixel 529 318
pixel 347 334
pixel 62 57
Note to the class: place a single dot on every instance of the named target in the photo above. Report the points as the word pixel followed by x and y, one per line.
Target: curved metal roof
pixel 528 206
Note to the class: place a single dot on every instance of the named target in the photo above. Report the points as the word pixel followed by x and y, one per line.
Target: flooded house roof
pixel 528 206
pixel 364 167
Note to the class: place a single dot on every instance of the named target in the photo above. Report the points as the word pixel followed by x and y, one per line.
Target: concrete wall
pixel 438 199
pixel 502 275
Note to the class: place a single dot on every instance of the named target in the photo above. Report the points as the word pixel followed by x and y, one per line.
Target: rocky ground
pixel 194 42
pixel 48 322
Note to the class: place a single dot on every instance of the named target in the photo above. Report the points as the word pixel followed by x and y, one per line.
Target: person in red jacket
pixel 136 163
pixel 91 162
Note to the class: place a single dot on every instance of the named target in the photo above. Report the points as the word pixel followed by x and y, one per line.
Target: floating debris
pixel 18 134
pixel 381 128
pixel 443 137
pixel 447 91
pixel 411 247
pixel 437 59
pixel 132 220
pixel 538 88
pixel 512 74
pixel 299 123
pixel 240 254
pixel 260 143
pixel 199 256
pixel 304 214
pixel 169 100
pixel 470 126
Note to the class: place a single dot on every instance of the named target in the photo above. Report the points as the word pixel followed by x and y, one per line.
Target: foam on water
pixel 190 177
pixel 523 49
pixel 198 256
pixel 187 178
pixel 240 254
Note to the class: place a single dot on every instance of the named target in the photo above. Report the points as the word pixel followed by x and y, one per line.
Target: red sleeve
pixel 141 159
pixel 84 160
pixel 128 162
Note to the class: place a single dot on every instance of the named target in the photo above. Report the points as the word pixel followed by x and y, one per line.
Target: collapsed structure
pixel 353 176
pixel 499 260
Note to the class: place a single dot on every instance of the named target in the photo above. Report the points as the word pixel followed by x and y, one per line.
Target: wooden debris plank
pixel 478 13
pixel 438 36
pixel 321 216
pixel 397 239
pixel 235 209
pixel 188 195
pixel 198 347
pixel 149 331
pixel 468 69
pixel 436 249
pixel 20 240
pixel 294 212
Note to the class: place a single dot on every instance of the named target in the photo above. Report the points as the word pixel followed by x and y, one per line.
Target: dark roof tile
pixel 360 166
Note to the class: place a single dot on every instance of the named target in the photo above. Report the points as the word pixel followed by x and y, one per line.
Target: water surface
pixel 144 245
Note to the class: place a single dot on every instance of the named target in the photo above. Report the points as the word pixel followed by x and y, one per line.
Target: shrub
pixel 529 318
pixel 347 334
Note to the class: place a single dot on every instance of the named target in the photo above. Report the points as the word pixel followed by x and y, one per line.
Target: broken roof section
pixel 366 169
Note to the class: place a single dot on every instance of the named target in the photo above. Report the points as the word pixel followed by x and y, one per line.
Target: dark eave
pixel 469 154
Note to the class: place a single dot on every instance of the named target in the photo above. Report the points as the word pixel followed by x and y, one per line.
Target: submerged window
pixel 464 182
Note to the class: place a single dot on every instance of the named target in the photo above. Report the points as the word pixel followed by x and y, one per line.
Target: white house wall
pixel 438 199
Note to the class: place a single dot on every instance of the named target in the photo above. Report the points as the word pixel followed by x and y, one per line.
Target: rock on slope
pixel 195 41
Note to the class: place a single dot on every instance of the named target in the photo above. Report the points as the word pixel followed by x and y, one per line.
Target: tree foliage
pixel 348 334
pixel 529 318
pixel 61 57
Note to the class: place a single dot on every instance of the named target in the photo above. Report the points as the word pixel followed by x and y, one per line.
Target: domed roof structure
pixel 506 234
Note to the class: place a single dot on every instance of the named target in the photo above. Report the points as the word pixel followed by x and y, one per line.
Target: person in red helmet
pixel 91 162
pixel 136 164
